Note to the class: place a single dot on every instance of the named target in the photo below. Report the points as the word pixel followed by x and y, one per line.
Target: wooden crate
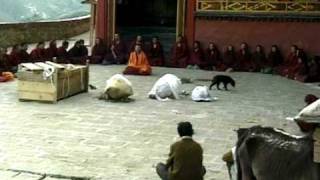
pixel 316 150
pixel 64 81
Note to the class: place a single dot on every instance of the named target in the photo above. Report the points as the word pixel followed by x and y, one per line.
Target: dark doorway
pixel 147 18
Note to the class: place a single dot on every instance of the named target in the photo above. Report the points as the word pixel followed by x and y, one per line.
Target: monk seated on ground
pixel 138 63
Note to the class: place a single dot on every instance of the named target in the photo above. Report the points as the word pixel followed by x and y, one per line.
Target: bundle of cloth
pixel 311 113
pixel 308 118
pixel 166 88
pixel 201 94
pixel 6 76
pixel 117 88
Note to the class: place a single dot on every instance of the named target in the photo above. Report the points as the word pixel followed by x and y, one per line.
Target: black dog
pixel 218 79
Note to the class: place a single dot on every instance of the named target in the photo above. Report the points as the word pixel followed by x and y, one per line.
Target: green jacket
pixel 185 160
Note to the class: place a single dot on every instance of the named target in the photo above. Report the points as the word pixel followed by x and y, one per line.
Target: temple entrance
pixel 147 18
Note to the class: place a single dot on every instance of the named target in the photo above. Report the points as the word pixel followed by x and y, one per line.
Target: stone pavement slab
pixel 84 137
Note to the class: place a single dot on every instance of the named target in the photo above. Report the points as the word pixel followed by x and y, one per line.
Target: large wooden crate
pixel 65 81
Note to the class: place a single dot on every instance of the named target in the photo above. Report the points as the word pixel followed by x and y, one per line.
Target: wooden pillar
pixel 181 17
pixel 106 20
pixel 102 20
pixel 190 21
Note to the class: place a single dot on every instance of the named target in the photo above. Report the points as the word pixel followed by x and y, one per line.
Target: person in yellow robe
pixel 138 62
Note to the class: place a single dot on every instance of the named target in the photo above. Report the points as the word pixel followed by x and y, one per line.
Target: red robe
pixel 259 61
pixel 38 55
pixel 120 51
pixel 99 51
pixel 51 51
pixel 179 55
pixel 62 55
pixel 14 58
pixel 4 63
pixel 212 59
pixel 25 56
pixel 286 68
pixel 196 58
pixel 244 62
pixel 229 60
pixel 156 55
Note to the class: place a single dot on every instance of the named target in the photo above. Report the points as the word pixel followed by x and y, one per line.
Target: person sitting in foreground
pixel 185 158
pixel 138 63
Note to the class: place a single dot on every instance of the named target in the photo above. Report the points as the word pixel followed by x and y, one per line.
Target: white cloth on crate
pixel 310 113
pixel 201 93
pixel 118 87
pixel 167 87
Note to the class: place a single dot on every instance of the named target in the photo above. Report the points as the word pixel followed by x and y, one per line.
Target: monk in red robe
pixel 138 40
pixel 39 53
pixel 14 58
pixel 99 51
pixel 78 53
pixel 212 58
pixel 244 59
pixel 118 52
pixel 138 62
pixel 180 54
pixel 301 70
pixel 229 58
pixel 62 53
pixel 292 59
pixel 196 58
pixel 52 50
pixel 275 59
pixel 259 59
pixel 24 55
pixel 4 60
pixel 156 53
pixel 314 71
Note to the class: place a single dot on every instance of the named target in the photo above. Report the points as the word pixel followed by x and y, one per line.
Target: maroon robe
pixel 259 61
pixel 24 56
pixel 51 51
pixel 179 55
pixel 62 55
pixel 286 68
pixel 38 55
pixel 212 59
pixel 156 56
pixel 196 58
pixel 4 63
pixel 99 51
pixel 14 58
pixel 120 50
pixel 314 71
pixel 244 62
pixel 229 60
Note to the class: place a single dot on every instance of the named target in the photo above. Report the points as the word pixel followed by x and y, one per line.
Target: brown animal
pixel 265 153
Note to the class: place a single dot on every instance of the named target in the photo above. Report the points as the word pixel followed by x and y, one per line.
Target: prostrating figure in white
pixel 166 88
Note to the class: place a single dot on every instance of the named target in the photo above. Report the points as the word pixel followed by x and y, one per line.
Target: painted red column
pixel 102 19
pixel 190 21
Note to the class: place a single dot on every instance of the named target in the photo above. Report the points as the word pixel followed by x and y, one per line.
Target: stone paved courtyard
pixel 84 137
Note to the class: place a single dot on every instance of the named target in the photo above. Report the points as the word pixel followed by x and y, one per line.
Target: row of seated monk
pixel 294 66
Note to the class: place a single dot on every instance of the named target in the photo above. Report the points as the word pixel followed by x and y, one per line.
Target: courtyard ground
pixel 84 137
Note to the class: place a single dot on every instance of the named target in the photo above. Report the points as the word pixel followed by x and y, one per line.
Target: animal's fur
pixel 269 154
pixel 225 80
